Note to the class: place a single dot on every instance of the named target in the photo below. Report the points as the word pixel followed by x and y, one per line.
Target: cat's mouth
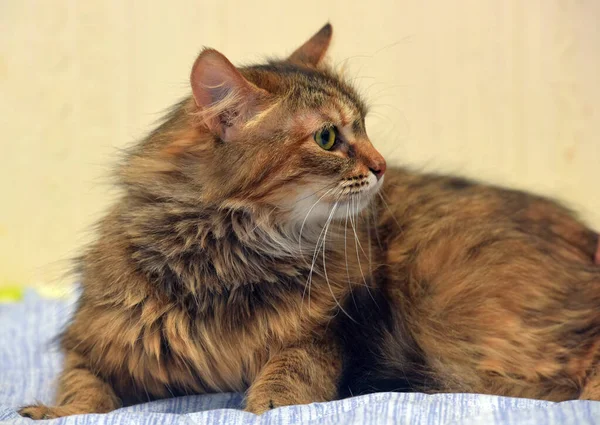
pixel 359 185
pixel 355 195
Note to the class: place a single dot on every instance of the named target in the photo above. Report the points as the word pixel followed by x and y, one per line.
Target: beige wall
pixel 506 90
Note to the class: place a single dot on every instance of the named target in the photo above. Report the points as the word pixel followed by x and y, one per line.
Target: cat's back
pixel 491 280
pixel 418 209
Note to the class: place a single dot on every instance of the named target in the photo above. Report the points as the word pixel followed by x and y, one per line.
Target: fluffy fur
pixel 490 291
pixel 244 257
pixel 222 267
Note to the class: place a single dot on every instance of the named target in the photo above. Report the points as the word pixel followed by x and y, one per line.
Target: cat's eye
pixel 326 137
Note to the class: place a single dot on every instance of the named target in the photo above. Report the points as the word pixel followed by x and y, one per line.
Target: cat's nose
pixel 378 168
pixel 370 157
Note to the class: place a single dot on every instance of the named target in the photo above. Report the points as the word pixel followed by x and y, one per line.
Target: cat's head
pixel 288 136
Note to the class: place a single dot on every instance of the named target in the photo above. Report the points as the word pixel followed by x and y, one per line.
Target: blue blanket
pixel 30 362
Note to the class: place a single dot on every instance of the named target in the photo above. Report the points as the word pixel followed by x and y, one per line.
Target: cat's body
pixel 490 291
pixel 249 228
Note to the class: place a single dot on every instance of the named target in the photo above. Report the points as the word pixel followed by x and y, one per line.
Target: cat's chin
pixel 312 209
pixel 354 204
pixel 353 207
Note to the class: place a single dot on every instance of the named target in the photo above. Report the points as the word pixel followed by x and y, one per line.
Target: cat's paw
pixel 37 412
pixel 40 411
pixel 258 407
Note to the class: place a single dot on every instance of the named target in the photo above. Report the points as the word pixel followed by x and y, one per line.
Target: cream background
pixel 505 90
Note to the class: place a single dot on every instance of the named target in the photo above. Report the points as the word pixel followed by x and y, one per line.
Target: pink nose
pixel 378 168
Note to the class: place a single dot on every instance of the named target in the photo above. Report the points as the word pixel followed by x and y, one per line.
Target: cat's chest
pixel 288 309
pixel 284 308
pixel 230 342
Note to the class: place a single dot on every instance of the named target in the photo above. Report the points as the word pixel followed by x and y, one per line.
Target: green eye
pixel 326 137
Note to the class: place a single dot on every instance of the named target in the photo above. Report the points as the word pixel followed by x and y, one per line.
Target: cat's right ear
pixel 223 96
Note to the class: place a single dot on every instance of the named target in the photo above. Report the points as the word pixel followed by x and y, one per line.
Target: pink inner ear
pixel 224 97
pixel 221 92
pixel 214 78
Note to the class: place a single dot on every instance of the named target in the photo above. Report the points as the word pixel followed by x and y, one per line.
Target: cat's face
pixel 289 136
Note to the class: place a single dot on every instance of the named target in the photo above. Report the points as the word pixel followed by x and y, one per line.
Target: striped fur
pixel 243 257
pixel 490 291
pixel 221 268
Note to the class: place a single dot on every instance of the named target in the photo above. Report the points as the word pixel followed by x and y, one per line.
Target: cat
pixel 222 267
pixel 263 245
pixel 483 290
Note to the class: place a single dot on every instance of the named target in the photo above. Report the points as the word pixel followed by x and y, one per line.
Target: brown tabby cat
pixel 248 252
pixel 219 269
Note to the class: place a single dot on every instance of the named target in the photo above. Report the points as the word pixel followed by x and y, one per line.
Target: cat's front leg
pixel 301 374
pixel 80 391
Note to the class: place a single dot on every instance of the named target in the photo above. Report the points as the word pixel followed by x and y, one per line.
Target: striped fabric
pixel 29 363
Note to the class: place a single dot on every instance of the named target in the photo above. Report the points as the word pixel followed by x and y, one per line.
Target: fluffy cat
pixel 250 253
pixel 219 268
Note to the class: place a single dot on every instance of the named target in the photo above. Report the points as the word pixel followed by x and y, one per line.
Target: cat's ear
pixel 223 96
pixel 313 51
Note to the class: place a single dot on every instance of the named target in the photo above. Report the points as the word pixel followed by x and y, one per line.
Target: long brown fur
pixel 491 291
pixel 221 268
pixel 243 257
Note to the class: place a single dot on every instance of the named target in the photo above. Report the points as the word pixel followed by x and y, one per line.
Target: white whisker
pixel 346 253
pixel 352 222
pixel 306 217
pixel 325 267
pixel 356 245
pixel 314 259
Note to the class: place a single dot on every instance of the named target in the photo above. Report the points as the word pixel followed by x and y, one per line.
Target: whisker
pixel 306 217
pixel 330 185
pixel 352 222
pixel 346 254
pixel 299 200
pixel 325 267
pixel 314 259
pixel 390 210
pixel 356 245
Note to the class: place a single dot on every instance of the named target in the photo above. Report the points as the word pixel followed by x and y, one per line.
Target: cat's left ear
pixel 225 99
pixel 313 51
